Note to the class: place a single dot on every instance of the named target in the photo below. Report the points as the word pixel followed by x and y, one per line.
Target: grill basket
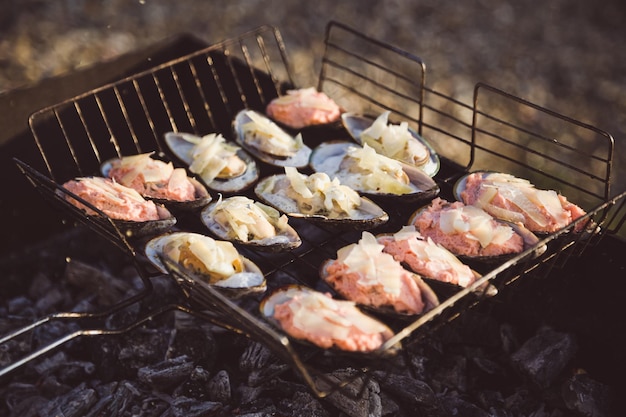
pixel 200 93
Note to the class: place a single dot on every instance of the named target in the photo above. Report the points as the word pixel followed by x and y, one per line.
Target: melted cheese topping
pixel 268 136
pixel 394 141
pixel 153 170
pixel 476 224
pixel 427 250
pixel 205 255
pixel 247 219
pixel 373 265
pixel 111 190
pixel 367 170
pixel 317 193
pixel 211 156
pixel 523 194
pixel 319 314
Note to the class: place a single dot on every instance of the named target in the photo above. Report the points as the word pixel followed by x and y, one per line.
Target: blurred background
pixel 566 55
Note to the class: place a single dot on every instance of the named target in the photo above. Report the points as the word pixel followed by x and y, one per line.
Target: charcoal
pixel 195 343
pixel 455 405
pixel 75 403
pixel 139 348
pixel 508 338
pixel 587 397
pixel 52 387
pixel 115 403
pixel 219 388
pixel 302 404
pixel 255 357
pixel 416 393
pixel 29 407
pixel 50 301
pixel 167 373
pixel 21 306
pixel 389 406
pixel 40 285
pixel 51 363
pixel 93 280
pixel 451 372
pixel 188 407
pixel 544 356
pixel 358 398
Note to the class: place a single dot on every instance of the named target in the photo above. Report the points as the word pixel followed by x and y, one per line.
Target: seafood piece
pixel 427 258
pixel 213 262
pixel 368 172
pixel 514 199
pixel 132 214
pixel 316 317
pixel 470 231
pixel 222 166
pixel 303 107
pixel 366 275
pixel 316 197
pixel 157 180
pixel 268 142
pixel 396 141
pixel 245 221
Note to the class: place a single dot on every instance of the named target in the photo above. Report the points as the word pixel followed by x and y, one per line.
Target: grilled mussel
pixel 517 200
pixel 250 223
pixel 317 198
pixel 267 141
pixel 372 174
pixel 317 318
pixel 103 199
pixel 158 181
pixel 396 141
pixel 221 165
pixel 213 262
pixel 363 273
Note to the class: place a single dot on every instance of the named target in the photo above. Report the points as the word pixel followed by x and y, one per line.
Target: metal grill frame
pixel 200 93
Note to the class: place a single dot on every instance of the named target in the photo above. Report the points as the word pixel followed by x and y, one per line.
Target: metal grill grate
pixel 201 93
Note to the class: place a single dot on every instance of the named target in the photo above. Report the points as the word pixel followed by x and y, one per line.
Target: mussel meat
pixel 247 222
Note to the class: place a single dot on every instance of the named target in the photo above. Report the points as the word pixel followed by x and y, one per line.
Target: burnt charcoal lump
pixel 544 356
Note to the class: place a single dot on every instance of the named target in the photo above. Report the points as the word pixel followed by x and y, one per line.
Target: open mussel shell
pixel 367 216
pixel 355 125
pixel 298 159
pixel 284 293
pixel 181 144
pixel 285 239
pixel 202 196
pixel 429 296
pixel 148 228
pixel 530 241
pixel 328 156
pixel 250 281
